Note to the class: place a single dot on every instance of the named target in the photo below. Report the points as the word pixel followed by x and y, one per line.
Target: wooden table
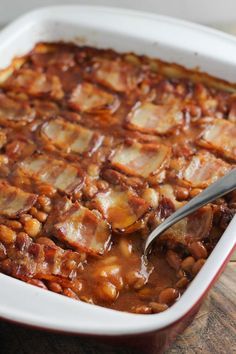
pixel 212 332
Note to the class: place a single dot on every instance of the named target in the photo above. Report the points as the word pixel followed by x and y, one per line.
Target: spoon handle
pixel 216 190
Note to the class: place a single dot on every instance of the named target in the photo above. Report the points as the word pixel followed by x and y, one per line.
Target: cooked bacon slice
pixel 14 112
pixel 87 97
pixel 70 137
pixel 194 227
pixel 123 209
pixel 60 59
pixel 84 230
pixel 155 119
pixel 115 74
pixel 220 136
pixel 204 169
pixel 14 201
pixel 35 83
pixel 32 260
pixel 62 176
pixel 141 159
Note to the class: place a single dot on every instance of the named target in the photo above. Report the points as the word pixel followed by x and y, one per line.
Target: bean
pixel 195 111
pixel 197 249
pixel 187 264
pixel 45 241
pixel 55 287
pixel 107 291
pixel 22 241
pixel 145 293
pixel 198 265
pixel 70 293
pixel 3 252
pixel 39 215
pixel 71 264
pixel 77 195
pixel 143 309
pixel 14 224
pixel 108 270
pixel 38 283
pixel 90 190
pixel 125 247
pixel 145 88
pixel 180 273
pixel 232 205
pixel 194 192
pixel 77 285
pixel 173 259
pixel 151 196
pixel 157 307
pixel 135 279
pixel 168 296
pixel 45 203
pixel 181 193
pixel 25 217
pixel 182 282
pixel 6 266
pixel 102 185
pixel 3 159
pixel 112 272
pixel 155 180
pixel 87 299
pixel 7 236
pixel 219 201
pixel 32 227
pixel 93 170
pixel 47 190
pixel 21 181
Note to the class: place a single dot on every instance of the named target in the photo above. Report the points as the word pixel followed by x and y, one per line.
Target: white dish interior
pixel 123 30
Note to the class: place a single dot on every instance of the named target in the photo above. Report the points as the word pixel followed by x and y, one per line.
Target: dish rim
pixel 128 323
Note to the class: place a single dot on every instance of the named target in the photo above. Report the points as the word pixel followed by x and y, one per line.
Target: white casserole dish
pixel 123 30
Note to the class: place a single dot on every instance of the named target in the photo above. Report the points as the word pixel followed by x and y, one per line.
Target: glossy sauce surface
pixel 96 149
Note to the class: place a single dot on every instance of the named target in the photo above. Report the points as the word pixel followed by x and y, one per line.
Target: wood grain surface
pixel 212 332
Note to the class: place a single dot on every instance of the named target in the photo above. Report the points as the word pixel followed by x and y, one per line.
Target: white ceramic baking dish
pixel 123 30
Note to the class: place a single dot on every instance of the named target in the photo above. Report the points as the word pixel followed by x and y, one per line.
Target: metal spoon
pixel 216 190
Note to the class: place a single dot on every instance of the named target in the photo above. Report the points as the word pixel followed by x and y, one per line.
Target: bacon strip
pixel 70 137
pixel 115 74
pixel 141 159
pixel 35 84
pixel 194 227
pixel 87 97
pixel 155 119
pixel 14 112
pixel 14 201
pixel 204 169
pixel 51 57
pixel 121 208
pixel 64 177
pixel 84 230
pixel 32 260
pixel 220 136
